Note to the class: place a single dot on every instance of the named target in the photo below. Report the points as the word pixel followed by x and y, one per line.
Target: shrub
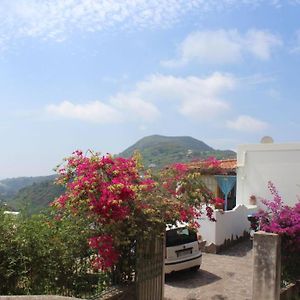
pixel 39 255
pixel 285 221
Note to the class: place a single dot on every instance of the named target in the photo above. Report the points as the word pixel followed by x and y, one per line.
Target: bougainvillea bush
pixel 123 202
pixel 285 221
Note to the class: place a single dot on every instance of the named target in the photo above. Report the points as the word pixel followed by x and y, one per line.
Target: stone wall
pixel 114 293
pixel 37 297
pixel 266 266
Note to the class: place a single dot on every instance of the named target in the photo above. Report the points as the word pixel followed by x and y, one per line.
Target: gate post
pixel 266 266
pixel 150 268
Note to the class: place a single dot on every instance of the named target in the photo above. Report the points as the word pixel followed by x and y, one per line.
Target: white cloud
pixel 96 112
pixel 209 47
pixel 193 97
pixel 224 46
pixel 58 19
pixel 247 124
pixel 135 107
pixel 260 43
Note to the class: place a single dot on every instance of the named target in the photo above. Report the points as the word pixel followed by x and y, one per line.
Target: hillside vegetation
pixel 10 187
pixel 32 194
pixel 36 197
pixel 158 151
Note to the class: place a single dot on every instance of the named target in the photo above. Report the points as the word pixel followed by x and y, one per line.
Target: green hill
pixel 36 197
pixel 30 193
pixel 10 187
pixel 158 151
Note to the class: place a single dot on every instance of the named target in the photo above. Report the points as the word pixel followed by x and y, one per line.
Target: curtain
pixel 226 183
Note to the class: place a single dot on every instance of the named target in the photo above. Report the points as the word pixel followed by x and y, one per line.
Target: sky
pixel 101 74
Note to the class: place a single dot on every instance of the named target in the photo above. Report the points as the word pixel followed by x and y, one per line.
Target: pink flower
pixel 107 254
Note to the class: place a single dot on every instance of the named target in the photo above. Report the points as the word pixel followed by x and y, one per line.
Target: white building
pixel 256 165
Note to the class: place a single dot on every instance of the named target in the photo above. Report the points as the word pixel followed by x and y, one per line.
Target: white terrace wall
pixel 259 163
pixel 230 225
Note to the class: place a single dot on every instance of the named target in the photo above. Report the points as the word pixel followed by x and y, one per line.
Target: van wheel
pixel 195 269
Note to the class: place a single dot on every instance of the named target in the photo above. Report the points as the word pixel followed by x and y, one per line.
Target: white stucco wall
pixel 229 225
pixel 207 229
pixel 259 163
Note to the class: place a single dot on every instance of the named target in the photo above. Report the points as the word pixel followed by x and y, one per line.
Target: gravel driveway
pixel 225 276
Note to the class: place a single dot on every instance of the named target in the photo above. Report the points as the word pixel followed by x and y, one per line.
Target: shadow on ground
pixel 238 250
pixel 190 279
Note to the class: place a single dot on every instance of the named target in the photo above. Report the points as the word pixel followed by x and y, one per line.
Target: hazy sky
pixel 100 74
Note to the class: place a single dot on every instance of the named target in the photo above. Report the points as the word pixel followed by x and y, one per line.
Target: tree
pixel 122 202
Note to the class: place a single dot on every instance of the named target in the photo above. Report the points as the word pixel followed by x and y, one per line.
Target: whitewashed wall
pixel 230 224
pixel 257 164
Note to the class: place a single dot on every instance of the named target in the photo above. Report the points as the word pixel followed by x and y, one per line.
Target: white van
pixel 183 250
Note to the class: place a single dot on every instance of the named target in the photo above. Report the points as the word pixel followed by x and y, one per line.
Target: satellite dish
pixel 267 140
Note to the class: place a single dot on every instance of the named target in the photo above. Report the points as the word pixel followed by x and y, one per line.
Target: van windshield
pixel 180 236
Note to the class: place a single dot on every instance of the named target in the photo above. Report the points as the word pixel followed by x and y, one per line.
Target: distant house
pixel 256 165
pixel 13 213
pixel 219 178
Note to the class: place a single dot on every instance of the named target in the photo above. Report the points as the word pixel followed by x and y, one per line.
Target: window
pixel 180 236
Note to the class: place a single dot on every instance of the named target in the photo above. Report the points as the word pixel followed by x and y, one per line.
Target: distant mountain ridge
pixel 35 193
pixel 9 187
pixel 158 150
pixel 158 141
pixel 31 193
pixel 36 197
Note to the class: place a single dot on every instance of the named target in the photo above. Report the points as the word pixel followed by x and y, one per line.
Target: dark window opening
pixel 180 236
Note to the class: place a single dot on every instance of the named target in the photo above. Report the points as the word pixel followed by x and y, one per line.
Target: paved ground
pixel 225 276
